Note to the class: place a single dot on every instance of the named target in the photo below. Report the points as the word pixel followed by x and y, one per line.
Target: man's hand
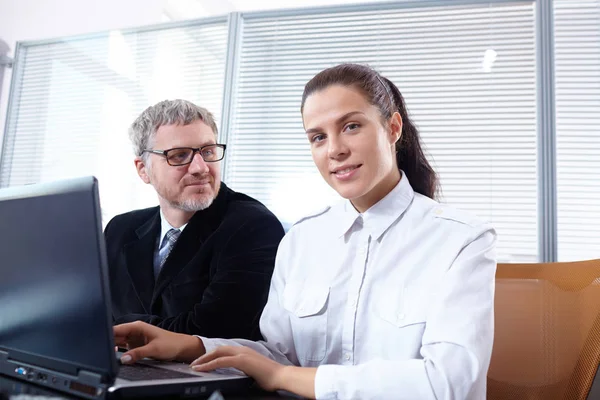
pixel 145 340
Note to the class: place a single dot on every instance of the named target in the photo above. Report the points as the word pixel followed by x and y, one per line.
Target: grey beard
pixel 194 205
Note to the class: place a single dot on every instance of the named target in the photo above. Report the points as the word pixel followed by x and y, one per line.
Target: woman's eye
pixel 317 138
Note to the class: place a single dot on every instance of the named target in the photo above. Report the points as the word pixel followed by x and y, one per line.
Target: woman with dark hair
pixel 387 294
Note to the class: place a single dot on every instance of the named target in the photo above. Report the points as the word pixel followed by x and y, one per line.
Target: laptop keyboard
pixel 143 372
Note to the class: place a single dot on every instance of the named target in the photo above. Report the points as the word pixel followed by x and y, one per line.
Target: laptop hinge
pixel 90 383
pixel 91 378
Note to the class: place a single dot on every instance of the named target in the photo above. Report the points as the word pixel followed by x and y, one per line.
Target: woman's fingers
pixel 136 328
pixel 222 351
pixel 138 353
pixel 133 334
pixel 221 362
pixel 265 371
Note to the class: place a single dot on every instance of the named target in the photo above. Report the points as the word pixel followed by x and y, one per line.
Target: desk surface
pixel 18 390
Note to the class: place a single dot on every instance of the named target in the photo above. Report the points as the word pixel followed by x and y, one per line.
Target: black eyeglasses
pixel 184 155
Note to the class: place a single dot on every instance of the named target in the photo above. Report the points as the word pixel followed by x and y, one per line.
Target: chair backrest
pixel 547 331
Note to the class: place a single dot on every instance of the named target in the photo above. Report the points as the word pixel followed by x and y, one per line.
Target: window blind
pixel 577 88
pixel 468 74
pixel 74 100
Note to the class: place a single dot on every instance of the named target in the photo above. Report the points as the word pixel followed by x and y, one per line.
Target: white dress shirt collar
pixel 381 215
pixel 408 316
pixel 165 227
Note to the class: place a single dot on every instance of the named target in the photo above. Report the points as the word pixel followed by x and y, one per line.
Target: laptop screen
pixel 53 283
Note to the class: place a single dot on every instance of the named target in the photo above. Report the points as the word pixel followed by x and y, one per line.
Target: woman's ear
pixel 396 128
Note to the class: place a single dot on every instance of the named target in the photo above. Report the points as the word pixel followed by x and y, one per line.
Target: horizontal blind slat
pixel 77 98
pixel 577 91
pixel 478 128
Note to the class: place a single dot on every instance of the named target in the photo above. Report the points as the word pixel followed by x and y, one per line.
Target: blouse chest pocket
pixel 402 320
pixel 403 309
pixel 307 306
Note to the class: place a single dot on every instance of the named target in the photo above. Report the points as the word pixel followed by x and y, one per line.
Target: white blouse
pixel 397 302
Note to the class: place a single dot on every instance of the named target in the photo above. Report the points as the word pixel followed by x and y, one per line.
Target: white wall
pixel 23 20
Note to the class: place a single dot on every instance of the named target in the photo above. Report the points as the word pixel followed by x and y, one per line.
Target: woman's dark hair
pixel 384 95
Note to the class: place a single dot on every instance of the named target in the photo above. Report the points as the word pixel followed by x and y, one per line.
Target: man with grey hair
pixel 201 262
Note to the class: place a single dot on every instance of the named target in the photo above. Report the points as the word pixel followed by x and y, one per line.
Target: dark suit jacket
pixel 215 281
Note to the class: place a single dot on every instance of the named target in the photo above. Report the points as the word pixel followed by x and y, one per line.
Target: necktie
pixel 167 244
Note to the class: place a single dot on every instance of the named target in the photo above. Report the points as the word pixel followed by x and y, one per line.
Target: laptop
pixel 55 310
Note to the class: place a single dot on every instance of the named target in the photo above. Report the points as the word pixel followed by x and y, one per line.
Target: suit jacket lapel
pixel 199 228
pixel 139 256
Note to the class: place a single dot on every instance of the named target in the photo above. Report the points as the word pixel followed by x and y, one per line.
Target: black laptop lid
pixel 53 283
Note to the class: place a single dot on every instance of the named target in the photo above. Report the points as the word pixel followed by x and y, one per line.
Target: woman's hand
pixel 266 372
pixel 269 374
pixel 145 340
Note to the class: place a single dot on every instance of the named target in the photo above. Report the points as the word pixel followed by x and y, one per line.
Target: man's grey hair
pixel 167 112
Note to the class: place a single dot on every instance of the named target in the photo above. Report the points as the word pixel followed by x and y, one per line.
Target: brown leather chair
pixel 547 331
